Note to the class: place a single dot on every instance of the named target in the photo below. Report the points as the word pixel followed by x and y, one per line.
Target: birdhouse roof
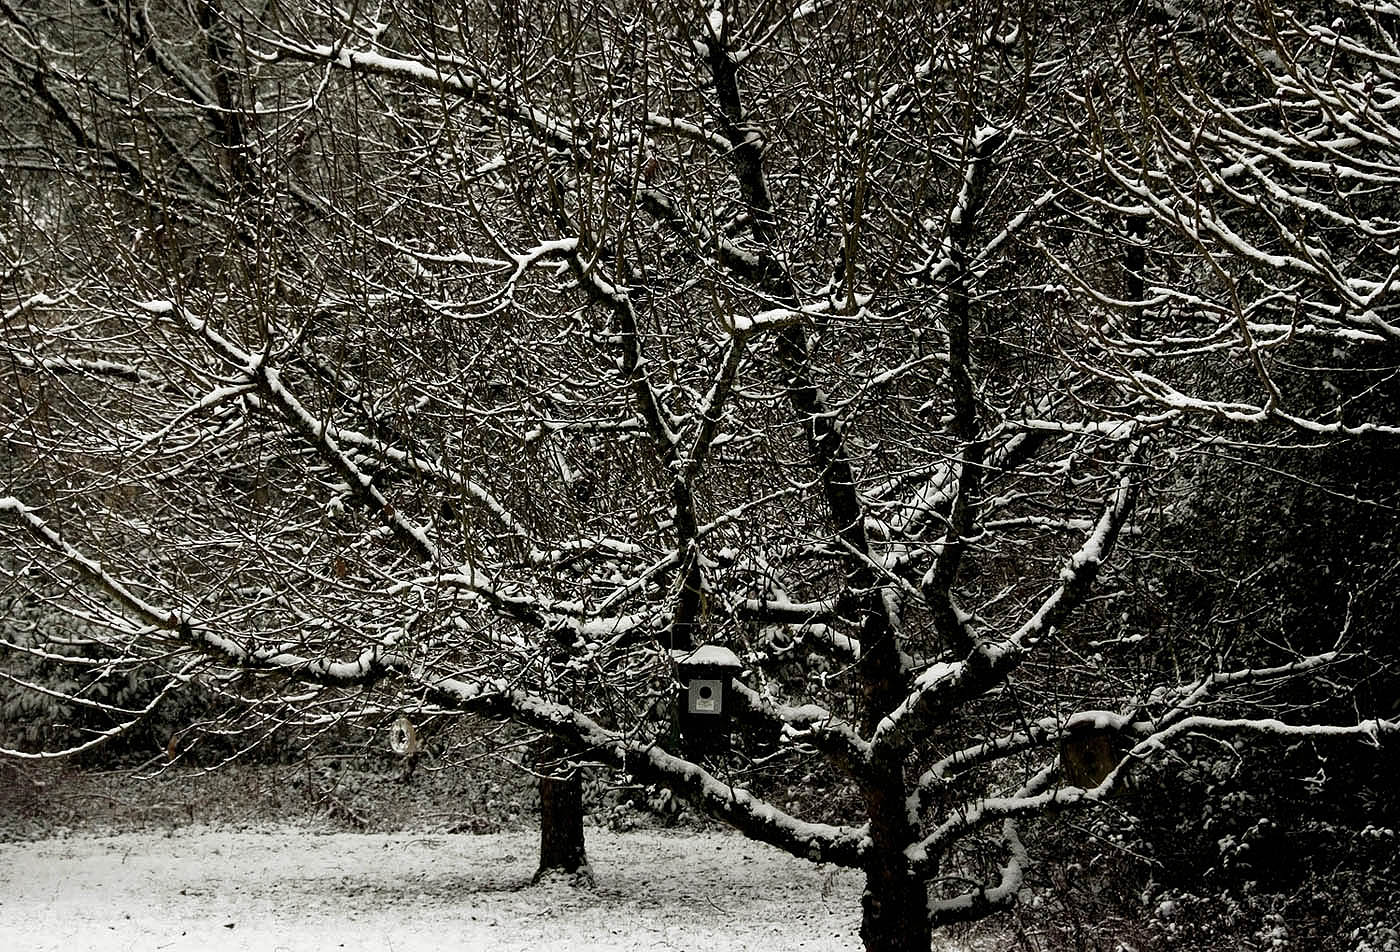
pixel 715 655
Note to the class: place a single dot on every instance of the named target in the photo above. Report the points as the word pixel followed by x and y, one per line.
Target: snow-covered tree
pixel 1247 162
pixel 422 359
pixel 1231 242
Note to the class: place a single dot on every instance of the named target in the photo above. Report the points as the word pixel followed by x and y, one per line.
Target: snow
pixel 937 672
pixel 785 316
pixel 215 890
pixel 716 21
pixel 690 129
pixel 930 681
pixel 711 654
pixel 29 303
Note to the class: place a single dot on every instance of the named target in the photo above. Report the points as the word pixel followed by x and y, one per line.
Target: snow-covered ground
pixel 213 890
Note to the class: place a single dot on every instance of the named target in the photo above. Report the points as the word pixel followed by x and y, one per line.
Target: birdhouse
pixel 706 683
pixel 1088 756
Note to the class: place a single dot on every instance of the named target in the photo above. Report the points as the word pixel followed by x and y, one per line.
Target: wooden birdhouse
pixel 705 679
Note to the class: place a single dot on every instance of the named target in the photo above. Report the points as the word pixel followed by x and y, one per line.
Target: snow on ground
pixel 215 890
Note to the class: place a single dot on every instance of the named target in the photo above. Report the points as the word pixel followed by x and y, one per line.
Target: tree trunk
pixel 894 909
pixel 561 819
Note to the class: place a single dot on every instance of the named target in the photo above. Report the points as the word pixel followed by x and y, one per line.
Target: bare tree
pixel 482 361
pixel 1231 244
pixel 1246 165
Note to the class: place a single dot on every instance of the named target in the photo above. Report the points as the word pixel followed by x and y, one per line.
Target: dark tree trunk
pixel 894 909
pixel 561 819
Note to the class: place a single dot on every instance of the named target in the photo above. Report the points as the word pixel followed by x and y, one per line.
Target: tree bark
pixel 561 819
pixel 894 909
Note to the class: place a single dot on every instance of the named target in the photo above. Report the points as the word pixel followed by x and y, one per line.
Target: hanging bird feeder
pixel 403 738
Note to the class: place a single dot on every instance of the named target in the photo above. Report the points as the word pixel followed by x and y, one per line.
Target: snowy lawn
pixel 211 890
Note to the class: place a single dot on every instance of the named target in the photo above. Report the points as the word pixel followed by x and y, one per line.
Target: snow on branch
pixel 982 260
pixel 803 635
pixel 755 818
pixel 214 398
pixel 1185 698
pixel 167 627
pixel 560 618
pixel 923 855
pixel 689 130
pixel 1368 731
pixel 808 724
pixel 102 736
pixel 497 698
pixel 451 75
pixel 324 437
pixel 435 469
pixel 711 408
pixel 319 435
pixel 616 299
pixel 33 302
pixel 974 905
pixel 158 620
pixel 779 317
pixel 93 367
pixel 1040 795
pixel 1115 430
pixel 71 698
pixel 1147 733
pixel 1046 731
pixel 313 429
pixel 1179 402
pixel 946 686
pixel 781 610
pixel 953 253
